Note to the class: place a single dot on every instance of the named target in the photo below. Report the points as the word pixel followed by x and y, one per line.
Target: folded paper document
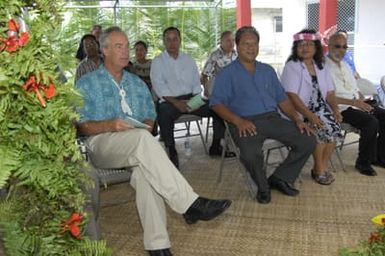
pixel 136 123
pixel 195 102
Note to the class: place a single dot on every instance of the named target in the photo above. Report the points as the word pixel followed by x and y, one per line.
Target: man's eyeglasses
pixel 338 46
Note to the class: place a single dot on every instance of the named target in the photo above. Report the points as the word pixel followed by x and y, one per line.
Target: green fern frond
pixel 9 162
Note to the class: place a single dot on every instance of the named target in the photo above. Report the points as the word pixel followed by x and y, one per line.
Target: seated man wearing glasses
pixel 349 58
pixel 355 111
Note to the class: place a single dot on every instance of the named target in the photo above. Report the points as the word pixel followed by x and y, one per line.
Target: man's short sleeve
pixel 89 110
pixel 222 88
pixel 209 67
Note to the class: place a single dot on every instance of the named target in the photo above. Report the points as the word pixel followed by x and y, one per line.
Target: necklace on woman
pixel 123 103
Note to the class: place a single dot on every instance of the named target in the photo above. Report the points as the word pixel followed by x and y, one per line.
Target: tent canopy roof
pixel 142 4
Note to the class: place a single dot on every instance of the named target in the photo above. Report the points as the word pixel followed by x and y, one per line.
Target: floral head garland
pixel 307 37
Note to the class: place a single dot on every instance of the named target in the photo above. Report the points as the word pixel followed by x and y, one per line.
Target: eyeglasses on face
pixel 338 46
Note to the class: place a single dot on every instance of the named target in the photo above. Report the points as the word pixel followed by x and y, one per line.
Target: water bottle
pixel 187 146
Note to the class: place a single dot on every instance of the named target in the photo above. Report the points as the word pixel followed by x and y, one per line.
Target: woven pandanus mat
pixel 319 221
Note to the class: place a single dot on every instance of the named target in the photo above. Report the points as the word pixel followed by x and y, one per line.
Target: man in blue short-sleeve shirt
pixel 111 96
pixel 248 95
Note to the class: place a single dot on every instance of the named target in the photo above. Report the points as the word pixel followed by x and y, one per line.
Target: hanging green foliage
pixel 40 163
pixel 198 26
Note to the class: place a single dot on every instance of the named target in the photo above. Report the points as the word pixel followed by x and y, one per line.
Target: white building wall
pixel 276 47
pixel 369 36
pixel 370 39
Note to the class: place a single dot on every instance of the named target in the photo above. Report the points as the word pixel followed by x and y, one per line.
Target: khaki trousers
pixel 154 178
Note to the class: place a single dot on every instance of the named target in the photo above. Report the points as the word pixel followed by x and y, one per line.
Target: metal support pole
pixel 115 5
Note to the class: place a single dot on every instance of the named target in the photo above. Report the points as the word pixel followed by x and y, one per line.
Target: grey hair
pixel 103 39
pixel 336 36
pixel 243 30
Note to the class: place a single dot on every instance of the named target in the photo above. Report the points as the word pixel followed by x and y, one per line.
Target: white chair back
pixel 366 87
pixel 383 83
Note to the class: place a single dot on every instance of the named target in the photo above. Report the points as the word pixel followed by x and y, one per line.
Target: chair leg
pixel 207 130
pixel 202 139
pixel 343 141
pixel 339 157
pixel 282 153
pixel 187 124
pixel 252 187
pixel 219 179
pixel 332 165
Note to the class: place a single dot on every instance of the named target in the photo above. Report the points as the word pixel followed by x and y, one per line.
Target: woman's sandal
pixel 326 178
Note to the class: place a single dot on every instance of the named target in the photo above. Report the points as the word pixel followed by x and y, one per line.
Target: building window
pixel 313 16
pixel 278 24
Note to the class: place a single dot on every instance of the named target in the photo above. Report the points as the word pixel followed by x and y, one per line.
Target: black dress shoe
pixel 263 197
pixel 217 151
pixel 365 169
pixel 162 252
pixel 205 209
pixel 282 186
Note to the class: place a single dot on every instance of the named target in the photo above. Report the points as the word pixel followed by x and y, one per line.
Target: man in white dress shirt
pixel 369 120
pixel 175 79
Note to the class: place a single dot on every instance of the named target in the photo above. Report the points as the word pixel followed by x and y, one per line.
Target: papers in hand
pixel 195 102
pixel 135 123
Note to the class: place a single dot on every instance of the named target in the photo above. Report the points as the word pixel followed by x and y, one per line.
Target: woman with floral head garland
pixel 310 87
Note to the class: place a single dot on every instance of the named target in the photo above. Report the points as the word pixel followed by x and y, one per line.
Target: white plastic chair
pixel 383 83
pixel 368 89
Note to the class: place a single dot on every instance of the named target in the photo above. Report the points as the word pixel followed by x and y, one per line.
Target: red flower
pixel 13 42
pixel 50 91
pixel 24 37
pixel 72 225
pixel 10 44
pixel 32 85
pixel 13 26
